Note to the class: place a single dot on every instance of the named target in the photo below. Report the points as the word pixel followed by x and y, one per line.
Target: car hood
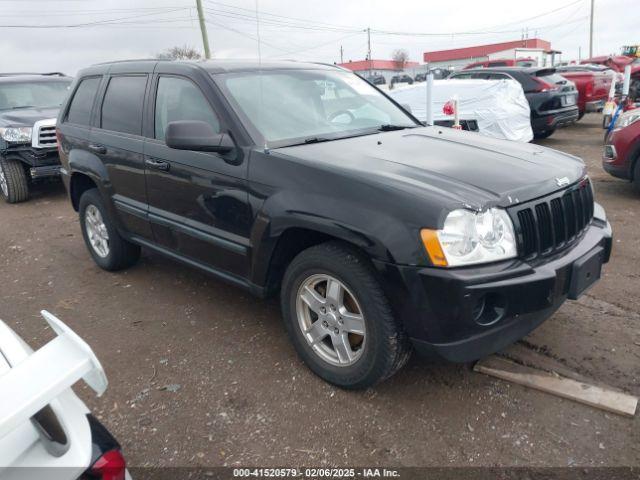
pixel 26 116
pixel 458 166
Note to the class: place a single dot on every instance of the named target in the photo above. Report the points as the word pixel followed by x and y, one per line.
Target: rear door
pixel 117 139
pixel 75 125
pixel 198 201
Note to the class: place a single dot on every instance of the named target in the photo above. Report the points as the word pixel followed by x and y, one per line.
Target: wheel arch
pixel 279 246
pixel 87 171
pixel 79 183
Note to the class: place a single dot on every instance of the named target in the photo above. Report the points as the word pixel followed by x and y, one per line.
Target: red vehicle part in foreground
pixel 622 153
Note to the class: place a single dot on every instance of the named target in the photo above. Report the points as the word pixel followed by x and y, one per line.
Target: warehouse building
pixel 456 58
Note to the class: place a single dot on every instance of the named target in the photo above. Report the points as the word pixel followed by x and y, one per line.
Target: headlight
pixel 469 238
pixel 627 118
pixel 16 134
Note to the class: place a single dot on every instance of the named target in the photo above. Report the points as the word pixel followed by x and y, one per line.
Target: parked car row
pixel 377 79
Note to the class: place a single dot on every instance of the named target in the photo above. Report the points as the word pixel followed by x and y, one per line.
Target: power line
pixel 97 22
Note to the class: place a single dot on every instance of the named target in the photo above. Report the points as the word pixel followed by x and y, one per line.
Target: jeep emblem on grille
pixel 562 182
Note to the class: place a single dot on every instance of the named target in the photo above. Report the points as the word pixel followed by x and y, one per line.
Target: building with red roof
pixel 459 57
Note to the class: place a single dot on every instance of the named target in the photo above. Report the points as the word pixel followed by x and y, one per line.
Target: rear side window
pixel 122 104
pixel 180 99
pixel 80 108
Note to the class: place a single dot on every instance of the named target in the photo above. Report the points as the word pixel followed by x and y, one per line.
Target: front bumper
pixel 44 171
pixel 440 316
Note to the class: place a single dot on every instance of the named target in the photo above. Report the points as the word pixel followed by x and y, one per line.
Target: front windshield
pixel 16 95
pixel 291 106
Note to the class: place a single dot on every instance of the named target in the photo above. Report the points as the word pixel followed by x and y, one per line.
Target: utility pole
pixel 341 54
pixel 369 48
pixel 203 29
pixel 591 31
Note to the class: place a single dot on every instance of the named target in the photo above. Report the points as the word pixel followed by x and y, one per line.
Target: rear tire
pixel 542 135
pixel 13 181
pixel 377 352
pixel 636 176
pixel 107 247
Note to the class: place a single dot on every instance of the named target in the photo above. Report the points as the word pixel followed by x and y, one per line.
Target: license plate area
pixel 585 272
pixel 569 100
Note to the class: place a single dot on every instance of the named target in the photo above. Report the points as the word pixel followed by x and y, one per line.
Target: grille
pixel 44 134
pixel 551 223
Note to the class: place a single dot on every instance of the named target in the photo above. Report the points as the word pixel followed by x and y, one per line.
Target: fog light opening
pixel 489 309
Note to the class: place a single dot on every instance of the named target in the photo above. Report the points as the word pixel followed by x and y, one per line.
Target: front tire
pixel 13 181
pixel 338 317
pixel 107 247
pixel 636 176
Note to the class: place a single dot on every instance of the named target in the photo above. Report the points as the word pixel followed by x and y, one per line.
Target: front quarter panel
pixel 286 193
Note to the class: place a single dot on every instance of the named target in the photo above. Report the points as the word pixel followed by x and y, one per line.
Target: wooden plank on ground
pixel 599 397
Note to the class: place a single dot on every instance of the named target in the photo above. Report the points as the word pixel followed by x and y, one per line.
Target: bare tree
pixel 400 58
pixel 184 52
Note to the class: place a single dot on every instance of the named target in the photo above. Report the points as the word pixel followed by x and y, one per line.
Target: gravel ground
pixel 202 374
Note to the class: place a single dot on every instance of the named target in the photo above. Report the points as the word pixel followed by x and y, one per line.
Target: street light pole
pixel 591 31
pixel 203 29
pixel 369 48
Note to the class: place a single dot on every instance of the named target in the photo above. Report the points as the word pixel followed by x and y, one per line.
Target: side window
pixel 80 108
pixel 122 104
pixel 180 99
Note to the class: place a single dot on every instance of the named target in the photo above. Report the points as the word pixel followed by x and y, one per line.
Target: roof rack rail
pixel 46 74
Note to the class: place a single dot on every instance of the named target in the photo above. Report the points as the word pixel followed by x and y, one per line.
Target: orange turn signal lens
pixel 433 248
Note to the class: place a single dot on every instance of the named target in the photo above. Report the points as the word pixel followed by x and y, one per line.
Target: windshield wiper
pixel 390 127
pixel 23 106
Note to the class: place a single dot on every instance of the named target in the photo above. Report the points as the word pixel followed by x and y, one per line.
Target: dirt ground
pixel 202 374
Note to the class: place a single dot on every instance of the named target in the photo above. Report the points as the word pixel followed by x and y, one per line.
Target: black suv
pixel 404 78
pixel 303 180
pixel 29 105
pixel 552 99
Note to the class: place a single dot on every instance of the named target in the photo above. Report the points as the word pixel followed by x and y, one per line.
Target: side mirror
pixel 198 136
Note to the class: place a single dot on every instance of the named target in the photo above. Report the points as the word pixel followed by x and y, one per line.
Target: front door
pixel 198 201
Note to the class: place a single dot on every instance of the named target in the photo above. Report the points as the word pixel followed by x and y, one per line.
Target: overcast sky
pixel 296 29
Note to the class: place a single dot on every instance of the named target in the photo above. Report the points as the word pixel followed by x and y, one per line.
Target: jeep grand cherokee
pixel 379 235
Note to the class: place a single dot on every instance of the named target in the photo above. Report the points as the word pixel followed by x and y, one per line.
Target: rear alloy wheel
pixel 339 319
pixel 13 181
pixel 107 247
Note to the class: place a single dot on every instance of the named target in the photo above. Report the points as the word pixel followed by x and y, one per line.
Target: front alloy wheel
pixel 331 320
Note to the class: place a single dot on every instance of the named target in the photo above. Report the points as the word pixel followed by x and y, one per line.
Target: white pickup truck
pixel 46 431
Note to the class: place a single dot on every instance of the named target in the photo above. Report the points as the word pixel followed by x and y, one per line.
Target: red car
pixel 622 149
pixel 593 87
pixel 503 62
